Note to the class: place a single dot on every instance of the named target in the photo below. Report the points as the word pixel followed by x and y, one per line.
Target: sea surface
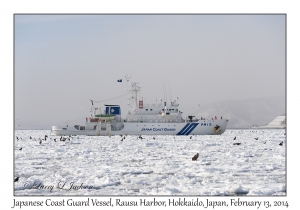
pixel 153 166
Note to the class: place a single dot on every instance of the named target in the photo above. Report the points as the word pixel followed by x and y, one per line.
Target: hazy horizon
pixel 63 61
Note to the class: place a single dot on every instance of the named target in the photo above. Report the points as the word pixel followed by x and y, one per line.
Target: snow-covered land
pixel 93 165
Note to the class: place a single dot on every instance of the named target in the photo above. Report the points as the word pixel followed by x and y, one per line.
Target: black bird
pixel 17 138
pixel 20 148
pixel 30 137
pixel 281 143
pixel 265 142
pixel 191 137
pixel 236 143
pixel 40 141
pixel 153 138
pixel 16 179
pixel 195 157
pixel 234 138
pixel 256 138
pixel 46 137
pixel 54 140
pixel 123 138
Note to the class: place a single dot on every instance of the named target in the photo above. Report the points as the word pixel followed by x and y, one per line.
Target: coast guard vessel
pixel 143 119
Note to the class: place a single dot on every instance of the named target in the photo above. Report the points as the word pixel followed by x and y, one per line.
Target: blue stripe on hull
pixel 191 128
pixel 181 132
pixel 187 129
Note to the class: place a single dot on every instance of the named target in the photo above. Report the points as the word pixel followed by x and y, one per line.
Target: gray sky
pixel 63 61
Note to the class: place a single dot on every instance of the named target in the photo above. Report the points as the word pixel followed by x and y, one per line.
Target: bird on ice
pixel 16 179
pixel 62 139
pixel 195 157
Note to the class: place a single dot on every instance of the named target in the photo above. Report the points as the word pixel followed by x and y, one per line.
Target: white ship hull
pixel 160 118
pixel 201 127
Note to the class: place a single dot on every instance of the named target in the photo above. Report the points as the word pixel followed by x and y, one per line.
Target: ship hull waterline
pixel 213 127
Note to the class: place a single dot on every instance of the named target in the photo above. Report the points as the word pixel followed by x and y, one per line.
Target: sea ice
pixel 100 165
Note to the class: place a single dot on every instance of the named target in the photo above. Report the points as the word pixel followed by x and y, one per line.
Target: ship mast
pixel 93 109
pixel 133 90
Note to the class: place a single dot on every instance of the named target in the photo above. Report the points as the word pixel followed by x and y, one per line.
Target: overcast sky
pixel 63 61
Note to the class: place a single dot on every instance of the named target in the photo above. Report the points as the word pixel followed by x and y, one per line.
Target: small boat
pixel 158 118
